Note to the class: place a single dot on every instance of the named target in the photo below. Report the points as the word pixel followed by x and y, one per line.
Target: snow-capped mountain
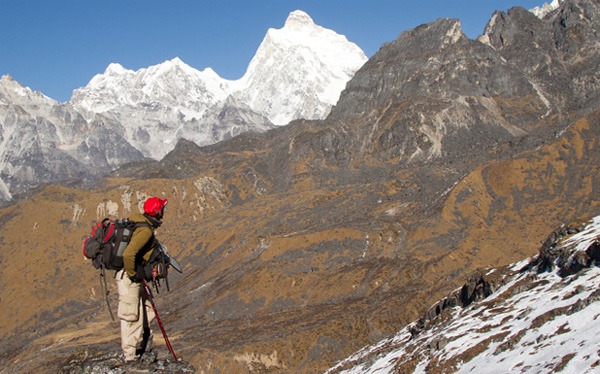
pixel 170 83
pixel 541 11
pixel 541 316
pixel 156 105
pixel 123 115
pixel 298 72
pixel 300 49
pixel 44 141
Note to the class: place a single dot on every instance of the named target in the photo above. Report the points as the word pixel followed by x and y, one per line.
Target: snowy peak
pixel 300 30
pixel 298 20
pixel 275 82
pixel 13 93
pixel 172 67
pixel 326 61
pixel 541 11
pixel 11 90
pixel 115 69
pixel 168 86
pixel 7 81
pixel 297 72
pixel 174 75
pixel 301 25
pixel 154 105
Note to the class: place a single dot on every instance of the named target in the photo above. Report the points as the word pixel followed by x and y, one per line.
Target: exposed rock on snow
pixel 536 316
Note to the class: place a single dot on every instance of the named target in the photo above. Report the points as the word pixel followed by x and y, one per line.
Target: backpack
pixel 107 242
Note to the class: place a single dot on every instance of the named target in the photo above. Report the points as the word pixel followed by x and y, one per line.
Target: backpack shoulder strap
pixel 142 224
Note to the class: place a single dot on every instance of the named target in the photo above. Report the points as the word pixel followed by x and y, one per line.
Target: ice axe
pixel 162 328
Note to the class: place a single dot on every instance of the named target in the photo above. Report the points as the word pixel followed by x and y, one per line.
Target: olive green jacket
pixel 140 246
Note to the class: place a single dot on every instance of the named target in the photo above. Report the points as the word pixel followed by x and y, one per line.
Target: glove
pixel 139 275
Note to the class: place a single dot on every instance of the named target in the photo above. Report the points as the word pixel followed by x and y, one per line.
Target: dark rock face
pixel 477 287
pixel 433 93
pixel 568 262
pixel 559 53
pixel 434 60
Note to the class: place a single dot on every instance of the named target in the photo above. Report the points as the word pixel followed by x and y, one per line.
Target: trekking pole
pixel 162 328
pixel 105 291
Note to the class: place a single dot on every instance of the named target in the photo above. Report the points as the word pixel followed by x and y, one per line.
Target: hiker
pixel 135 310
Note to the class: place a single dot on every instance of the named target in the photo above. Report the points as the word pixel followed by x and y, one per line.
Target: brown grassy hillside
pixel 293 280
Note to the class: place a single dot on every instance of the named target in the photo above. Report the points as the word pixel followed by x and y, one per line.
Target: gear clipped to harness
pixel 157 267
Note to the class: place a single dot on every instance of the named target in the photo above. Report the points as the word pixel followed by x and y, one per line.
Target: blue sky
pixel 58 46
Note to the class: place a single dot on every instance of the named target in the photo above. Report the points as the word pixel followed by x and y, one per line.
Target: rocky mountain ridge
pixel 435 96
pixel 308 242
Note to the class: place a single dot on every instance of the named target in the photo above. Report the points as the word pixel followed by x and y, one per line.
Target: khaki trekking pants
pixel 135 313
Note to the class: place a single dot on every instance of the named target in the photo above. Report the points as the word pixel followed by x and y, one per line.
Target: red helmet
pixel 154 206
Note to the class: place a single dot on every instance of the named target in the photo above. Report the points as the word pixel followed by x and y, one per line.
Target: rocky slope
pixel 303 244
pixel 535 316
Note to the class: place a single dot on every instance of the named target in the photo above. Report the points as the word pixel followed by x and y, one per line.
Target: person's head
pixel 154 207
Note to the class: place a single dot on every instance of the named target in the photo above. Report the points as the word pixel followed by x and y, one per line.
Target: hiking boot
pixel 148 357
pixel 136 366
